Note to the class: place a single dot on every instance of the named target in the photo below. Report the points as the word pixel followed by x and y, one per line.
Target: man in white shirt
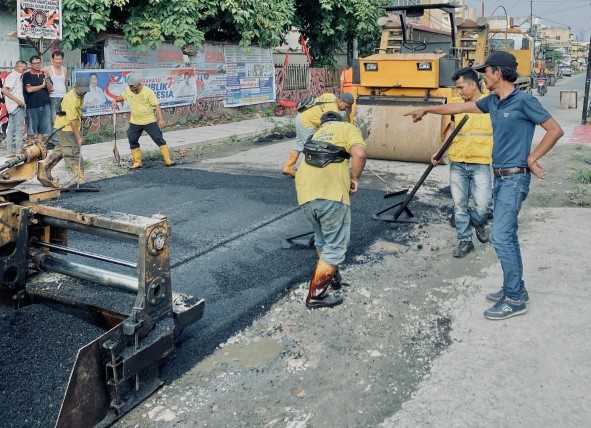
pixel 15 104
pixel 59 77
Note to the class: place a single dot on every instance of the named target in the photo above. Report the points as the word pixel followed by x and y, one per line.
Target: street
pixel 410 347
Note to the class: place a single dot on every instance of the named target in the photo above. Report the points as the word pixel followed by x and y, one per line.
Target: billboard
pixel 250 76
pixel 39 19
pixel 173 87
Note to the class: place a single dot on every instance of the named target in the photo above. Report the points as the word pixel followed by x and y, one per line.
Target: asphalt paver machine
pixel 139 329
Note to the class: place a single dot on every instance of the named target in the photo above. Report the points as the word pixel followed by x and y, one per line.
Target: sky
pixel 575 14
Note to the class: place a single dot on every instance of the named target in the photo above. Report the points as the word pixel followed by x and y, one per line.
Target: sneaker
pixel 463 248
pixel 495 297
pixel 481 232
pixel 506 308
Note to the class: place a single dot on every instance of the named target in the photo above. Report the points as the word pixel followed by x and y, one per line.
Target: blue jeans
pixel 54 107
pixel 38 120
pixel 302 134
pixel 469 179
pixel 331 223
pixel 15 130
pixel 509 193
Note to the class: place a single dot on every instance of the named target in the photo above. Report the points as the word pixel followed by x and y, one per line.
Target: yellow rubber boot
pixel 166 155
pixel 44 170
pixel 137 158
pixel 289 167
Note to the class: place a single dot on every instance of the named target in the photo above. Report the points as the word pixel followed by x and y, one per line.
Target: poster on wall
pixel 250 76
pixel 120 55
pixel 3 110
pixel 173 87
pixel 39 19
pixel 210 72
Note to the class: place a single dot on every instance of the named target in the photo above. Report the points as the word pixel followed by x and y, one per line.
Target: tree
pixel 187 23
pixel 329 25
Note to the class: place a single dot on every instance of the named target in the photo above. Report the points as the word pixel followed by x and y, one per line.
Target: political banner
pixel 173 87
pixel 210 72
pixel 119 55
pixel 39 19
pixel 250 76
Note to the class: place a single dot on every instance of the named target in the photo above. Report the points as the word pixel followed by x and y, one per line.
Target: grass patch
pixel 581 155
pixel 151 155
pixel 579 196
pixel 280 126
pixel 581 176
pixel 104 134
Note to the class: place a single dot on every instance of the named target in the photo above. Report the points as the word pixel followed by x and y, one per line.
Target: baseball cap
pixel 498 59
pixel 82 84
pixel 330 116
pixel 347 97
pixel 134 81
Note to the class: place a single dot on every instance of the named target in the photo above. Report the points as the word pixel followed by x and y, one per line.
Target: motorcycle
pixel 541 84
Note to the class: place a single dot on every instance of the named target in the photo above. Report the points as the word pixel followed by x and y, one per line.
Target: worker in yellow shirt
pixel 68 121
pixel 308 121
pixel 334 160
pixel 141 100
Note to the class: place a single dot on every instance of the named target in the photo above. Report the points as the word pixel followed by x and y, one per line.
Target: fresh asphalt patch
pixel 226 241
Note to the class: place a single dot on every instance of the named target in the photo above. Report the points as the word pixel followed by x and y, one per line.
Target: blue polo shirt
pixel 514 120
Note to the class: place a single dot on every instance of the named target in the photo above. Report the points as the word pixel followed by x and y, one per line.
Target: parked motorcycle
pixel 541 84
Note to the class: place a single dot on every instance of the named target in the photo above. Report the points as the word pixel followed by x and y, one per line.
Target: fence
pixel 297 76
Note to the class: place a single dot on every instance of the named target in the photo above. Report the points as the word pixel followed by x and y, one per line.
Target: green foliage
pixel 581 175
pixel 148 23
pixel 9 5
pixel 329 25
pixel 251 22
pixel 82 21
pixel 151 23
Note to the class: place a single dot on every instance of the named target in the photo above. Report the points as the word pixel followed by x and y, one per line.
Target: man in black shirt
pixel 36 88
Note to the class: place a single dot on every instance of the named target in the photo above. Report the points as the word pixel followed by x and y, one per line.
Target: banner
pixel 39 19
pixel 250 76
pixel 210 72
pixel 120 55
pixel 173 87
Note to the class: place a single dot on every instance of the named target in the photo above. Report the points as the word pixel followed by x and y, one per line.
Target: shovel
pixel 115 149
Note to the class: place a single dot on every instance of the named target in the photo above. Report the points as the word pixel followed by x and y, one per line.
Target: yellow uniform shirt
pixel 72 106
pixel 474 142
pixel 141 105
pixel 324 103
pixel 333 181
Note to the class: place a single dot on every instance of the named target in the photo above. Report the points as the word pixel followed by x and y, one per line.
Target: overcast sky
pixel 575 14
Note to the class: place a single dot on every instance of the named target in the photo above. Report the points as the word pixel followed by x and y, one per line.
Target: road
pixel 409 347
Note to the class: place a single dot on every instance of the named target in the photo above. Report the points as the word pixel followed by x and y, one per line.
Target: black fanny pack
pixel 320 154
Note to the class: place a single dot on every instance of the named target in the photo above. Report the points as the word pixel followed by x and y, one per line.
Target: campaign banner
pixel 39 19
pixel 119 55
pixel 250 76
pixel 210 72
pixel 173 87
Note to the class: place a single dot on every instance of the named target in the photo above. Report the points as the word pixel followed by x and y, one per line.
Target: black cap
pixel 330 116
pixel 498 59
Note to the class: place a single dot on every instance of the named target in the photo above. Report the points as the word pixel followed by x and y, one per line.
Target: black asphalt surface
pixel 225 245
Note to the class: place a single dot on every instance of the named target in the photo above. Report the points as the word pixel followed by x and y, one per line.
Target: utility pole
pixel 531 19
pixel 586 112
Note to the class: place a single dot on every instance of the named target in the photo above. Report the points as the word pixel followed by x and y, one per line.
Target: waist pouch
pixel 320 154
